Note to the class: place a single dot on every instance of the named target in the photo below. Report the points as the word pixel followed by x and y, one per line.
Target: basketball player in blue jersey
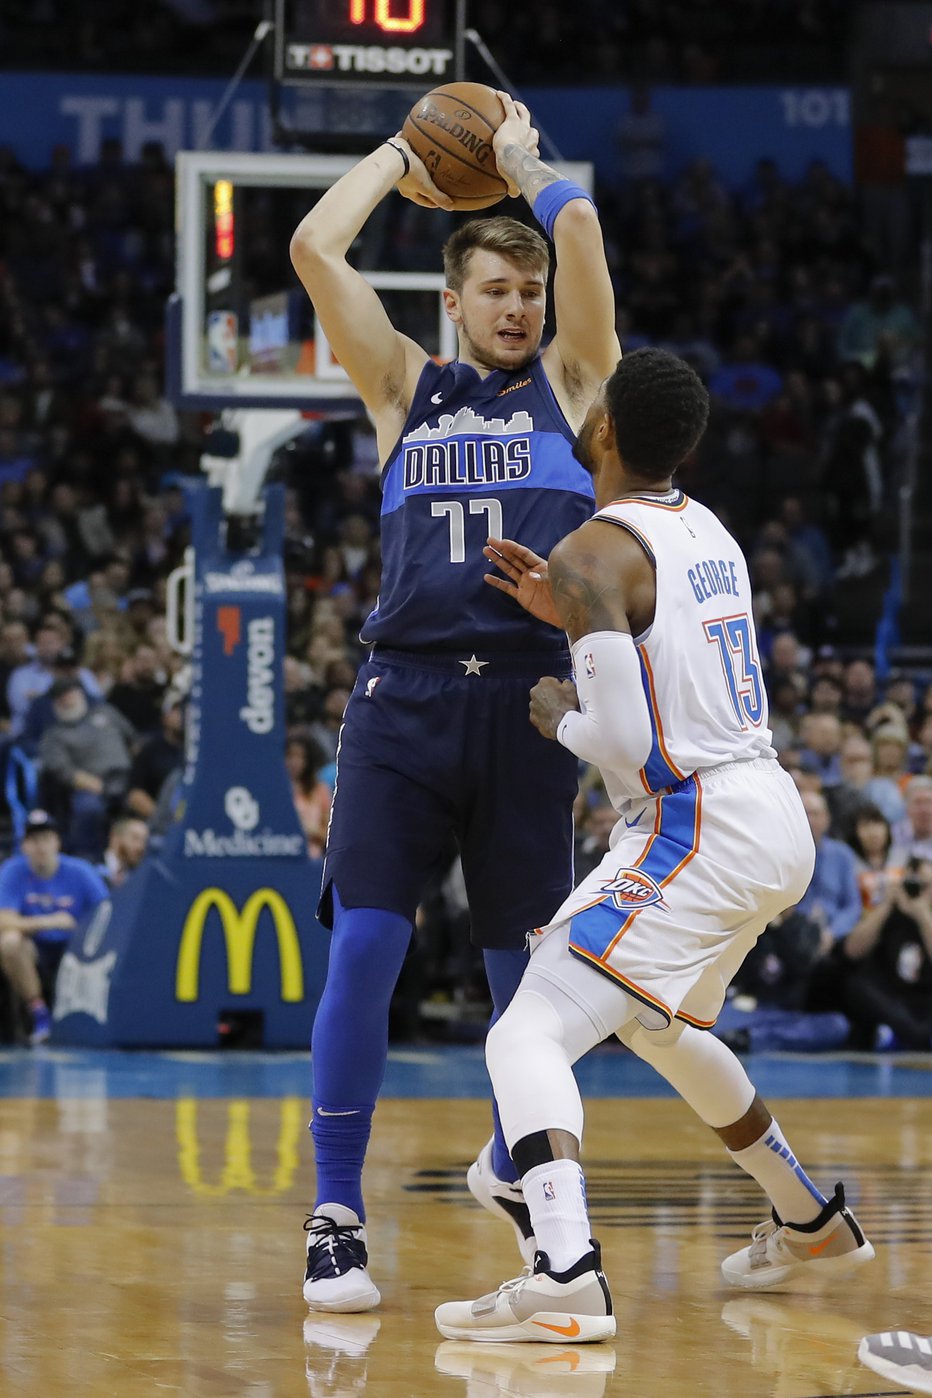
pixel 711 844
pixel 436 739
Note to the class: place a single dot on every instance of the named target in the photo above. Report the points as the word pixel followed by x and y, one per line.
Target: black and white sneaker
pixel 336 1278
pixel 503 1199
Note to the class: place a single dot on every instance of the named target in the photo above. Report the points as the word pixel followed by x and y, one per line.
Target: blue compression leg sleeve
pixel 504 970
pixel 349 1045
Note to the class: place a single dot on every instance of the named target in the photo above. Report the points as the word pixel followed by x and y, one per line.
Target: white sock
pixel 555 1194
pixel 771 1162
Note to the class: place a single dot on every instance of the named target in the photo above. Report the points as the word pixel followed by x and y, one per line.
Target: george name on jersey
pixel 713 578
pixel 466 462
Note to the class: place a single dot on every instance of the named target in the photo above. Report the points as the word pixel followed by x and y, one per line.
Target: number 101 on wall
pixel 387 42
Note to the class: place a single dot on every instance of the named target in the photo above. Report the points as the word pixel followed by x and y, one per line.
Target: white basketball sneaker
pixel 336 1278
pixel 900 1357
pixel 554 1308
pixel 828 1247
pixel 504 1199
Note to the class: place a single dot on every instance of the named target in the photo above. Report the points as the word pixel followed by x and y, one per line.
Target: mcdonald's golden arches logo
pixel 239 932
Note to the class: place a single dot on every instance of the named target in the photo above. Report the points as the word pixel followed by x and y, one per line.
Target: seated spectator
pixel 85 757
pixel 127 845
pixel 820 746
pixel 745 383
pixel 825 696
pixel 138 693
pixel 148 414
pixel 847 798
pixel 889 746
pixel 326 731
pixel 860 685
pixel 879 320
pixel 140 609
pixel 778 969
pixel 852 482
pixel 786 662
pixel 302 696
pixel 922 759
pixel 312 796
pixel 808 539
pixel 785 714
pixel 44 894
pixel 901 692
pixel 833 898
pixel 105 655
pixel 34 676
pixel 913 835
pixel 872 841
pixel 888 987
pixel 41 712
pixel 158 758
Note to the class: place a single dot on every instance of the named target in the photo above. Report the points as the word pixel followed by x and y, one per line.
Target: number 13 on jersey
pixel 737 651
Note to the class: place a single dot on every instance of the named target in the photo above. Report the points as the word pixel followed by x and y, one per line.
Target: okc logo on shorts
pixel 632 888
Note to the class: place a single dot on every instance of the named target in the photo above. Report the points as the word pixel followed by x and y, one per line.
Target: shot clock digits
pixel 386 42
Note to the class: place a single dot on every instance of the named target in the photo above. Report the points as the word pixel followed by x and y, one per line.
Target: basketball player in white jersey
pixel 711 844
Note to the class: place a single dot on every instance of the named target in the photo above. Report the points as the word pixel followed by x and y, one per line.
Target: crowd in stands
pixel 772 292
pixel 683 41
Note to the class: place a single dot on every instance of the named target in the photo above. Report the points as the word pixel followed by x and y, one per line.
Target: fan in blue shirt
pixel 833 898
pixel 44 895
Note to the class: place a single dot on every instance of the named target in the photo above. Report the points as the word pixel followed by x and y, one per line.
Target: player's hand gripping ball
pixel 450 130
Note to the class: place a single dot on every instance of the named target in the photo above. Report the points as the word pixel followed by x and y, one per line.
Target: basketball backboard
pixel 241 330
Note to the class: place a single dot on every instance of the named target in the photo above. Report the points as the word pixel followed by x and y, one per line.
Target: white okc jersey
pixel 712 841
pixel 699 662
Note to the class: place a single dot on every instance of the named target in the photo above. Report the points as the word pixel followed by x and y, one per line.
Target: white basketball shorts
pixel 692 878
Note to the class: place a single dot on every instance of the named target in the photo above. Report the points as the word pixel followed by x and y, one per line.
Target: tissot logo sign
pixel 368 58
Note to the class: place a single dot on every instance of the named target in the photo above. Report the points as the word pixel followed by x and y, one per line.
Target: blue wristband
pixel 551 200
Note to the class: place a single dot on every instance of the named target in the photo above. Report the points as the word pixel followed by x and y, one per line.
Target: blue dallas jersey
pixel 477 456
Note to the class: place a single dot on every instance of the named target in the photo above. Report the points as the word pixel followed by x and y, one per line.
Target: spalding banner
pixel 221 920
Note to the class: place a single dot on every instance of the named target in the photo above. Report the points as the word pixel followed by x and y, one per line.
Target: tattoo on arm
pixel 528 171
pixel 584 601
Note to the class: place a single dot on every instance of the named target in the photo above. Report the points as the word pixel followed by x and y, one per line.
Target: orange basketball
pixel 451 130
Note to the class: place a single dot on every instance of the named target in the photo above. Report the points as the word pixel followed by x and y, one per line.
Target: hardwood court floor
pixel 154 1247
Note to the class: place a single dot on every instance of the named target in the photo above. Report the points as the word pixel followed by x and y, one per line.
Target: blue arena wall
pixel 731 126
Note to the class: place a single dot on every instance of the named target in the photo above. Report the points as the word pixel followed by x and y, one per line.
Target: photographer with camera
pixel 887 991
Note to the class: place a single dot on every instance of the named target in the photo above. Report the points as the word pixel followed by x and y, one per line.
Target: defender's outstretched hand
pixel 529 584
pixel 416 184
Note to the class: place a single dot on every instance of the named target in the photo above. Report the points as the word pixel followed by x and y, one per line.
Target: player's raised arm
pixel 585 348
pixel 383 364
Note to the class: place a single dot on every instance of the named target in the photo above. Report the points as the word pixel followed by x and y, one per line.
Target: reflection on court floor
pixel 163 1198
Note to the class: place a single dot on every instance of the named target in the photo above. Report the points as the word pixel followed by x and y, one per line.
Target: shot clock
pixel 382 43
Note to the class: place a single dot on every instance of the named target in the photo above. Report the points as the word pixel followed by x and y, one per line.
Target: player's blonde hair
pixel 506 236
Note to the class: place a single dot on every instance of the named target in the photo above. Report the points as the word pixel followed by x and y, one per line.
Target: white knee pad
pixel 705 1073
pixel 528 1053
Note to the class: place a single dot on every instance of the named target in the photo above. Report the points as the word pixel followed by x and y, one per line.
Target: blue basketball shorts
pixel 429 751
